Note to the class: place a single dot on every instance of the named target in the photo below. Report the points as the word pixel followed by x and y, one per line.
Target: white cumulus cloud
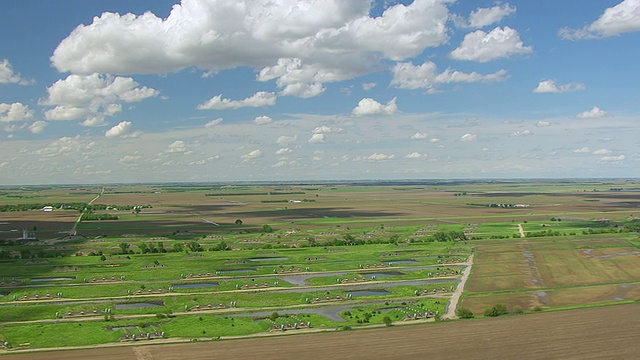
pixel 284 139
pixel 374 157
pixel 380 157
pixel 38 126
pixel 334 40
pixel 426 76
pixel 252 155
pixel 283 151
pixel 594 113
pixel 619 19
pixel 582 150
pixel 482 17
pixel 415 155
pixel 316 138
pixel 65 145
pixel 213 123
pixel 8 76
pixel 15 112
pixel 129 158
pixel 368 86
pixel 259 99
pixel 92 97
pixel 482 47
pixel 122 129
pixel 523 133
pixel 368 106
pixel 262 120
pixel 542 123
pixel 549 86
pixel 468 137
pixel 613 158
pixel 327 129
pixel 177 146
pixel 602 152
pixel 418 136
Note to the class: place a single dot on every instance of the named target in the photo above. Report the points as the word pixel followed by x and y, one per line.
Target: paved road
pixel 73 229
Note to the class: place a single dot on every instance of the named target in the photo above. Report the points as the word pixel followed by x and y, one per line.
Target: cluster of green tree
pixel 610 230
pixel 277 245
pixel 498 237
pixel 90 216
pixel 544 233
pixel 347 240
pixel 496 310
pixel 147 248
pixel 366 316
pixel 35 206
pixel 464 313
pixel 633 226
pixel 221 246
pixel 442 236
pixel 151 248
pixel 350 240
pixel 28 254
pixel 100 253
pixel 195 246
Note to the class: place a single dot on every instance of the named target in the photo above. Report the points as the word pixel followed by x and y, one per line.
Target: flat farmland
pixel 560 298
pixel 203 210
pixel 553 272
pixel 568 267
pixel 49 225
pixel 172 263
pixel 595 333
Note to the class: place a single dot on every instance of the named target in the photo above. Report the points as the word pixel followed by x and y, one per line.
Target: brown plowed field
pixel 595 333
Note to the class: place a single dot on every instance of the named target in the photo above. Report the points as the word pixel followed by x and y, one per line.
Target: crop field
pixel 145 264
pixel 554 272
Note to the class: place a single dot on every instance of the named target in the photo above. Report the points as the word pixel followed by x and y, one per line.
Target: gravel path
pixel 455 299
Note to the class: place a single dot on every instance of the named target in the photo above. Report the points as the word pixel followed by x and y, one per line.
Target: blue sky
pixel 108 91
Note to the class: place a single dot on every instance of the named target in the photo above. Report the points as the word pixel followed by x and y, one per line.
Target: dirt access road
pixel 455 298
pixel 595 333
